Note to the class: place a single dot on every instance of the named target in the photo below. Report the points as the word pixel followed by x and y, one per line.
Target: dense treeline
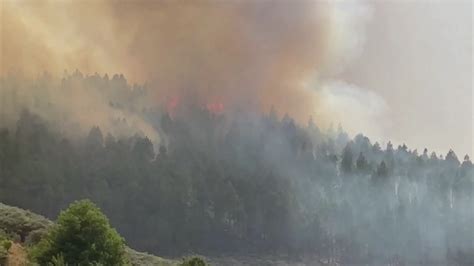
pixel 248 183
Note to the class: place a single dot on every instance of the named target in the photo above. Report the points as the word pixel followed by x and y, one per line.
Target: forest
pixel 234 183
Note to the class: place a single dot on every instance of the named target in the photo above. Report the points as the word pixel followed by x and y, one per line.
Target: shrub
pixel 7 244
pixel 82 236
pixel 18 223
pixel 4 247
pixel 193 261
pixel 35 236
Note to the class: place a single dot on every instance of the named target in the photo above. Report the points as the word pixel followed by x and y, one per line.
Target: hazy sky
pixel 418 57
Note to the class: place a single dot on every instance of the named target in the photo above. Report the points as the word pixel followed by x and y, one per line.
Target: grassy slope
pixel 26 228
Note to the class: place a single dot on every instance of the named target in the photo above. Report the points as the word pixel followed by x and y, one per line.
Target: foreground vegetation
pixel 82 236
pixel 17 225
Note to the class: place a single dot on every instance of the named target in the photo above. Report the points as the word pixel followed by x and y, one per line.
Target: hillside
pixel 25 228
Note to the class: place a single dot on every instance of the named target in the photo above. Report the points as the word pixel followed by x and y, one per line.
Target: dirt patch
pixel 17 256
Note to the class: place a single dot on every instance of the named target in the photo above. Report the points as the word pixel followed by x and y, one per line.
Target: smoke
pixel 367 109
pixel 76 103
pixel 237 53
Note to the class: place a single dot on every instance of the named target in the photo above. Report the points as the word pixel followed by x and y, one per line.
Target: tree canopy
pixel 82 236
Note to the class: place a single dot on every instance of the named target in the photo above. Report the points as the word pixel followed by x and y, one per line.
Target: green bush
pixel 4 247
pixel 7 244
pixel 35 236
pixel 82 236
pixel 193 261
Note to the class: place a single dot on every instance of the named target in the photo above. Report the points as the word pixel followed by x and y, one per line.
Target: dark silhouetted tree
pixel 361 163
pixel 347 160
pixel 452 159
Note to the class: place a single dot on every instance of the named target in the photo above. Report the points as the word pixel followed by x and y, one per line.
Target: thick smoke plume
pixel 235 53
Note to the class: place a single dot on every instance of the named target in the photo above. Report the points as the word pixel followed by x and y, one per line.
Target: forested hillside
pixel 240 183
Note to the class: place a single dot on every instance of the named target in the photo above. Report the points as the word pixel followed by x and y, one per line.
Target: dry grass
pixel 17 256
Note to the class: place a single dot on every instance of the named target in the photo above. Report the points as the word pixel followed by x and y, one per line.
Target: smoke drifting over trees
pixel 241 183
pixel 76 103
pixel 263 54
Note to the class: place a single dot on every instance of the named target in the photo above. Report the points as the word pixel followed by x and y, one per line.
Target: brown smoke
pixel 231 52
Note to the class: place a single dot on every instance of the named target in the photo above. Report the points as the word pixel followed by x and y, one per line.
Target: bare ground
pixel 17 256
